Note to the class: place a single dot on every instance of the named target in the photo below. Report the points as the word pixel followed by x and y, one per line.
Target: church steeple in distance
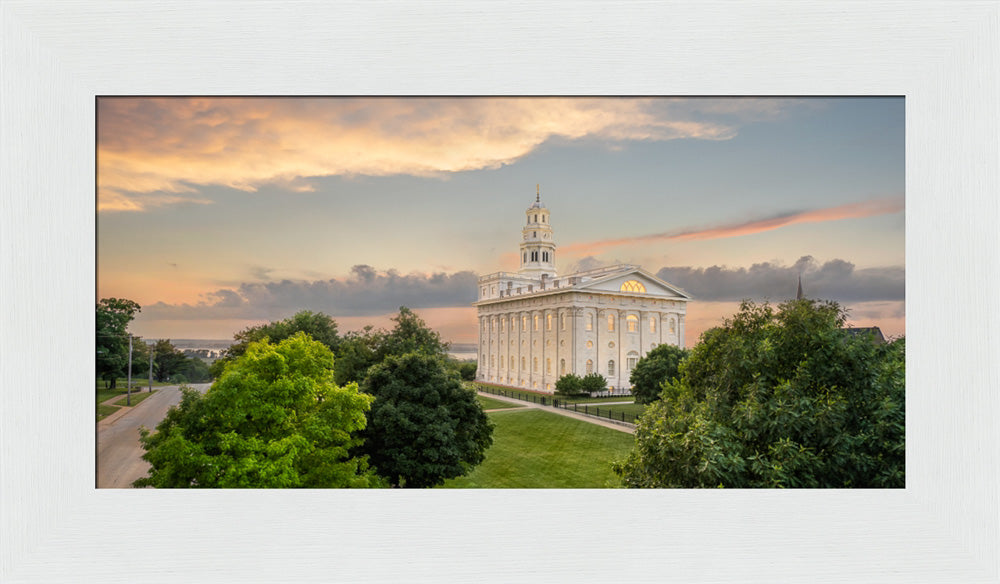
pixel 538 248
pixel 799 295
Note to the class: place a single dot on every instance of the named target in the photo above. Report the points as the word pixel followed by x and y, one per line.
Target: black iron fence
pixel 513 393
pixel 606 411
pixel 609 411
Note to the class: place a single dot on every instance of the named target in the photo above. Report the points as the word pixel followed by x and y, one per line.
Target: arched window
pixel 671 325
pixel 524 323
pixel 652 324
pixel 590 366
pixel 633 286
pixel 562 367
pixel 525 257
pixel 611 367
pixel 548 321
pixel 590 322
pixel 534 364
pixel 491 361
pixel 590 344
pixel 633 359
pixel 511 361
pixel 562 321
pixel 611 323
pixel 523 366
pixel 633 323
pixel 548 365
pixel 536 322
pixel 503 324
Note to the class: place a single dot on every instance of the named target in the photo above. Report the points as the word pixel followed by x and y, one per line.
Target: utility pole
pixel 128 390
pixel 150 367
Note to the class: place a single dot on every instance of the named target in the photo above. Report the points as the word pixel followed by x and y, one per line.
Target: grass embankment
pixel 489 403
pixel 138 394
pixel 535 396
pixel 537 449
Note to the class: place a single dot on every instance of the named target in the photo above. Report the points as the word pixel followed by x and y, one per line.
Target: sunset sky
pixel 219 213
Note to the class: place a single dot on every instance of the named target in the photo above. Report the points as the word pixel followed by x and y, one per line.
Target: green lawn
pixel 135 398
pixel 489 403
pixel 631 409
pixel 537 449
pixel 105 411
pixel 106 394
pixel 136 382
pixel 588 399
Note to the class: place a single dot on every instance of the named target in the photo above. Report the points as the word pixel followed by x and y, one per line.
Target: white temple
pixel 536 326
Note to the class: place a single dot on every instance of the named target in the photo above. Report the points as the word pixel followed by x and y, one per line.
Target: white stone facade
pixel 536 326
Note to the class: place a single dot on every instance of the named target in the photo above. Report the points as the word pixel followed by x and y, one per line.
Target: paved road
pixel 119 454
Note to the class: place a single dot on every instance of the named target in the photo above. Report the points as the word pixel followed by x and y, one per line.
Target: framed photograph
pixel 941 58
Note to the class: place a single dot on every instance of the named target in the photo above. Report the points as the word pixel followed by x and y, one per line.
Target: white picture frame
pixel 942 56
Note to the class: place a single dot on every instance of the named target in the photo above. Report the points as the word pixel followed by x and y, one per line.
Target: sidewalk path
pixel 560 411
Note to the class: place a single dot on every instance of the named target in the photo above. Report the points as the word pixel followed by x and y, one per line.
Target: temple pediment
pixel 635 280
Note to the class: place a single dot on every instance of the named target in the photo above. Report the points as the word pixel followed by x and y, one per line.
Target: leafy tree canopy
pixel 320 327
pixel 359 350
pixel 424 427
pixel 274 419
pixel 777 398
pixel 593 383
pixel 113 318
pixel 569 385
pixel 411 334
pixel 656 367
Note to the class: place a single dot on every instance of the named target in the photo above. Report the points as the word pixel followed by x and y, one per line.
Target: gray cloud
pixel 365 292
pixel 836 279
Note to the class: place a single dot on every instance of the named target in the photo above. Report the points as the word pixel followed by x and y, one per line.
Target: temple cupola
pixel 538 248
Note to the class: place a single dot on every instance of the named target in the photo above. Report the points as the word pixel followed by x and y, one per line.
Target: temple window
pixel 633 286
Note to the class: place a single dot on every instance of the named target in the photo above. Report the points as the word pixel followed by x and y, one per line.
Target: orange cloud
pixel 158 151
pixel 849 211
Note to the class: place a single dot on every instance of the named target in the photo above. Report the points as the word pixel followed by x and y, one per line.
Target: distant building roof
pixel 874 331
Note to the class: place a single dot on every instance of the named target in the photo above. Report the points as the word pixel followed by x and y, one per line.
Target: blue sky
pixel 216 214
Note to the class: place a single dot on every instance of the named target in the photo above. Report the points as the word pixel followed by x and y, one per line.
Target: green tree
pixel 593 383
pixel 167 360
pixel 113 318
pixel 569 385
pixel 657 367
pixel 357 352
pixel 317 325
pixel 467 371
pixel 410 334
pixel 274 419
pixel 777 398
pixel 424 427
pixel 195 370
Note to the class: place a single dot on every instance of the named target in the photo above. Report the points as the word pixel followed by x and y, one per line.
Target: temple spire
pixel 538 193
pixel 799 295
